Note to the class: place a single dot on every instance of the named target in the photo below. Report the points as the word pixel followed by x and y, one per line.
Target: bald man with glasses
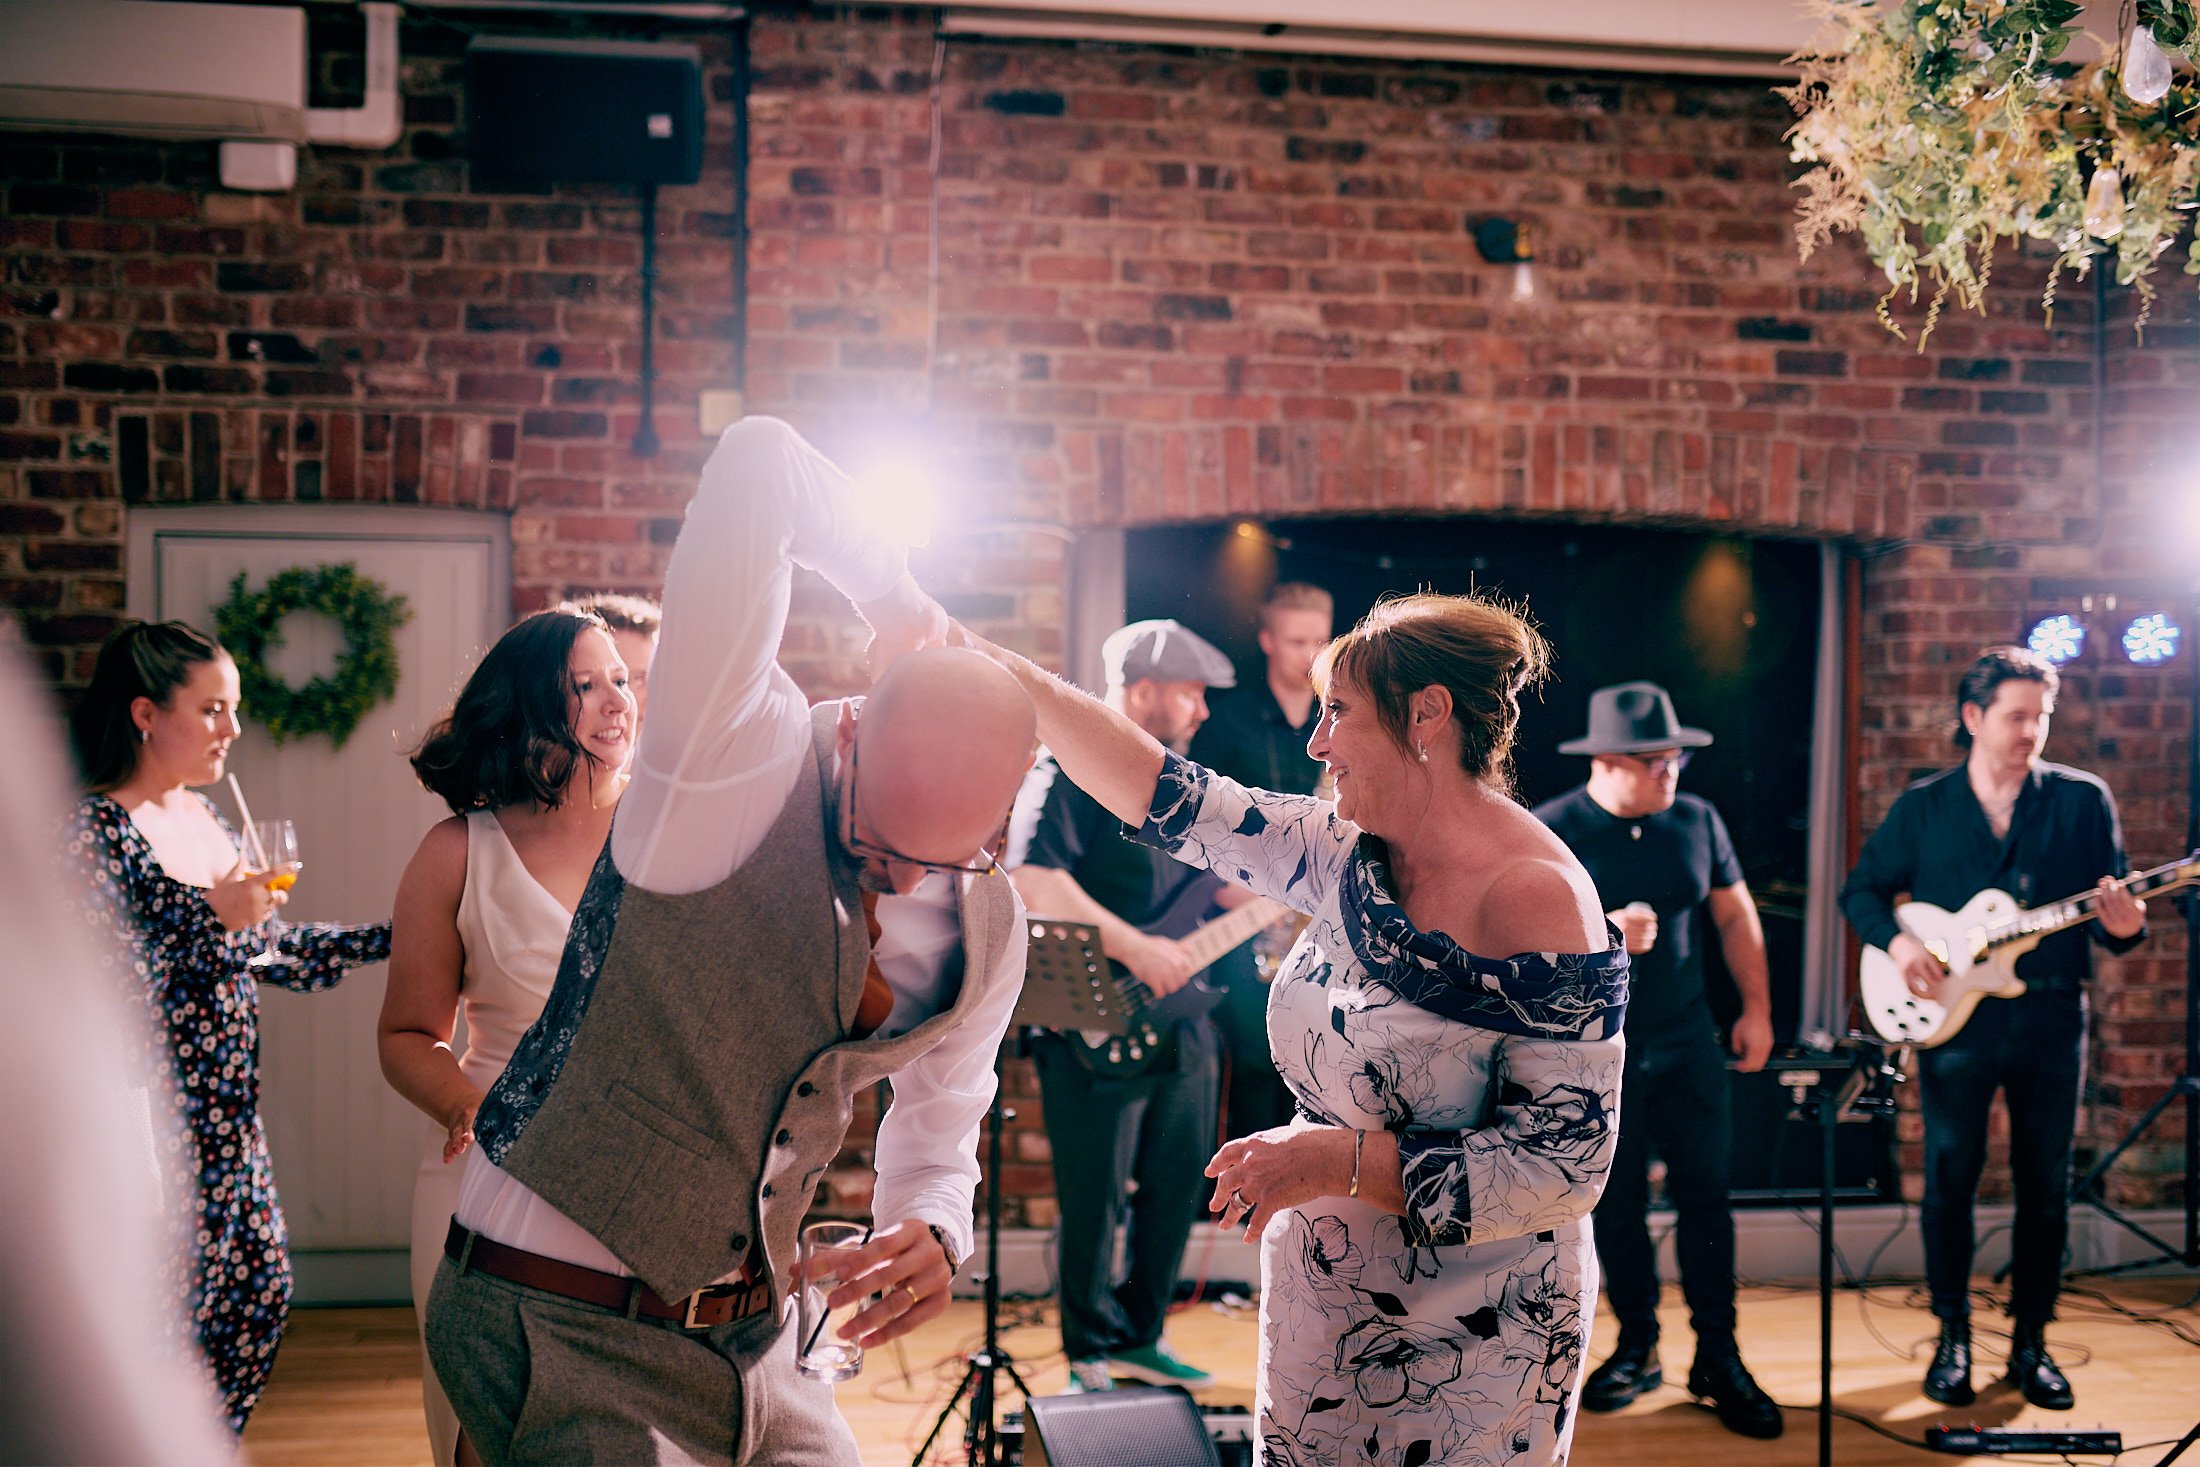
pixel 1663 863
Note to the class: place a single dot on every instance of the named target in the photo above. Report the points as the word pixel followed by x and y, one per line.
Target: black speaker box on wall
pixel 550 111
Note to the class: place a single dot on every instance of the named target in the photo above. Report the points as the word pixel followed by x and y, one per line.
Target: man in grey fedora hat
pixel 1663 862
pixel 1070 859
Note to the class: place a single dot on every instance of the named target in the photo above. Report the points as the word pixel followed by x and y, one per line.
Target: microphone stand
pixel 1866 1090
pixel 982 1440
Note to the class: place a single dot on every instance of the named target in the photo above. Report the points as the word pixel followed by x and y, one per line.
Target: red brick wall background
pixel 1136 286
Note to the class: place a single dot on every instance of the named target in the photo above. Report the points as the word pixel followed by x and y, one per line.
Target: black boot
pixel 1721 1381
pixel 2032 1370
pixel 1948 1381
pixel 1632 1369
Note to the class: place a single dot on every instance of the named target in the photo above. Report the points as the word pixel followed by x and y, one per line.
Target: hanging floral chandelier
pixel 1942 128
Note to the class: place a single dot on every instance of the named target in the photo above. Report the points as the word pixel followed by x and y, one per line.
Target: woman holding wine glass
pixel 532 760
pixel 190 915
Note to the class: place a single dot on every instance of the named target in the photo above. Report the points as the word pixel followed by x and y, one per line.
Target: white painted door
pixel 345 1145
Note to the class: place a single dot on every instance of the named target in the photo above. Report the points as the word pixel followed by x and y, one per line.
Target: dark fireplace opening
pixel 1728 624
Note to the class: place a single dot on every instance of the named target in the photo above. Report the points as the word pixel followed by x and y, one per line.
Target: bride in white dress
pixel 532 758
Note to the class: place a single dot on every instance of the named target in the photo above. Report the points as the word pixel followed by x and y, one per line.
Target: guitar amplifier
pixel 1124 1427
pixel 1775 1159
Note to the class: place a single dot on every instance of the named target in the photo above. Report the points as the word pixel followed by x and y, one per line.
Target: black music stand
pixel 1865 1091
pixel 1066 986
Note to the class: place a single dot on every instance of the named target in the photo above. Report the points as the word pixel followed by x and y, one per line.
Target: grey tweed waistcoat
pixel 712 1080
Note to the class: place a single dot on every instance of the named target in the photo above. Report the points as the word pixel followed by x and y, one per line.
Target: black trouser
pixel 1157 1130
pixel 1674 1101
pixel 2032 1049
pixel 1256 1098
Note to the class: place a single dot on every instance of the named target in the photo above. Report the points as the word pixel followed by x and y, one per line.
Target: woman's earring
pixel 1424 753
pixel 145 736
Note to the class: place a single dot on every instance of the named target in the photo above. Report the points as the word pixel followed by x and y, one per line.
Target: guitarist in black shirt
pixel 2005 818
pixel 1156 1124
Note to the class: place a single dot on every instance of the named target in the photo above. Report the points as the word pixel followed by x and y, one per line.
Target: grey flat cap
pixel 1165 651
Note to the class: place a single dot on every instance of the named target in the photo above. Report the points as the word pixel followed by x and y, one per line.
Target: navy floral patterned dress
pixel 1455 1333
pixel 231 1268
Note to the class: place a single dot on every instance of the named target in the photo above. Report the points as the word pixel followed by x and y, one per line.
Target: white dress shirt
pixel 720 751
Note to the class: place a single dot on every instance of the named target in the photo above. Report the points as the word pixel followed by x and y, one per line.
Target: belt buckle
pixel 710 1294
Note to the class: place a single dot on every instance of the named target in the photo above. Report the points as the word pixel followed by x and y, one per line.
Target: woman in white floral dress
pixel 1425 1248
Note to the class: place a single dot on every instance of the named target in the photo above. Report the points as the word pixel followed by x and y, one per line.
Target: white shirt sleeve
pixel 927 1157
pixel 727 726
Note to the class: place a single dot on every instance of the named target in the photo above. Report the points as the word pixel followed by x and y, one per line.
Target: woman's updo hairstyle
pixel 508 740
pixel 1483 652
pixel 146 659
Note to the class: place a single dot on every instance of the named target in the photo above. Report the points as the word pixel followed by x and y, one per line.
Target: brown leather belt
pixel 703 1309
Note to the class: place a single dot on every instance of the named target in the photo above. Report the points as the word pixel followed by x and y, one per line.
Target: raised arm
pixel 727 726
pixel 1105 754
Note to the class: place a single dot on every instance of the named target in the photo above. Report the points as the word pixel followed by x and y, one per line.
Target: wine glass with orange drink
pixel 275 843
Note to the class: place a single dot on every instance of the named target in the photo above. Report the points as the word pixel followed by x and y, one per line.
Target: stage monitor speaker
pixel 1776 1155
pixel 1121 1428
pixel 550 111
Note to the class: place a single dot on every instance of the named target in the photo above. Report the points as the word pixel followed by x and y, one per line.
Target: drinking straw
pixel 251 831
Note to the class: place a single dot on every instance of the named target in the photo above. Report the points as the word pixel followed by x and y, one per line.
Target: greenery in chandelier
pixel 1940 129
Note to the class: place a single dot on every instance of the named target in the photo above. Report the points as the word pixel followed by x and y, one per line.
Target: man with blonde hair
pixel 1257 736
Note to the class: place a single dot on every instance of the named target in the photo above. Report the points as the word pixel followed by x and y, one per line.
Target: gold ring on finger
pixel 915 1298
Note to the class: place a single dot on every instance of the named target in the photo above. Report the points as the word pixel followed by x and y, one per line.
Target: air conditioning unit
pixel 229 72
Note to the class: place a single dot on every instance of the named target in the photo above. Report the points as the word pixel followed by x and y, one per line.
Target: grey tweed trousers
pixel 536 1378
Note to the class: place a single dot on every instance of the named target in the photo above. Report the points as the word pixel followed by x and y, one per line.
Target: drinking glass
pixel 275 842
pixel 278 843
pixel 820 1352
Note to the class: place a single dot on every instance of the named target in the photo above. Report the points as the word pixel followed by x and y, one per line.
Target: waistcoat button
pixel 784 1137
pixel 767 1189
pixel 805 1089
pixel 740 1242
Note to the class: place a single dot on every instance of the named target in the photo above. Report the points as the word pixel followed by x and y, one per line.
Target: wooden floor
pixel 346 1387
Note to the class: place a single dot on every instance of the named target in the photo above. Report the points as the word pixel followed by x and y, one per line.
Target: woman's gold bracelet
pixel 1359 1139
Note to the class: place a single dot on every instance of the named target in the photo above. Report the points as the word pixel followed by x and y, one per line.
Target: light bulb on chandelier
pixel 2104 204
pixel 2146 67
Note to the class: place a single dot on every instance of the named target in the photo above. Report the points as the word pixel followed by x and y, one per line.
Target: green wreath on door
pixel 249 624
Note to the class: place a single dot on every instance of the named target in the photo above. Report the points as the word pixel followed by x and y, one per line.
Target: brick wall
pixel 1133 287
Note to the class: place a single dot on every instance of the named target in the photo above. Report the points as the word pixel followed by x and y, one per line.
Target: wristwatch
pixel 939 1236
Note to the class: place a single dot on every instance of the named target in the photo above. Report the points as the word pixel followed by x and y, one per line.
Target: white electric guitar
pixel 1980 946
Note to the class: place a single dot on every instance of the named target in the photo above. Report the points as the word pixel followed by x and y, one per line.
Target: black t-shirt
pixel 1673 860
pixel 1247 738
pixel 1057 825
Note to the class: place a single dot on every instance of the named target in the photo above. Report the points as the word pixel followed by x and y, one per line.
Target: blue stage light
pixel 2151 639
pixel 2059 638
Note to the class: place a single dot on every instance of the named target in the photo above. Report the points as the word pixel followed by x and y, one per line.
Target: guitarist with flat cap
pixel 2005 818
pixel 1154 1122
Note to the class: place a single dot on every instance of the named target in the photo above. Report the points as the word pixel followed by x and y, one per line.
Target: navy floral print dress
pixel 231 1269
pixel 1455 1333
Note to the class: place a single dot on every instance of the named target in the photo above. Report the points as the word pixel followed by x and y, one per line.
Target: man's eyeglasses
pixel 1675 762
pixel 869 850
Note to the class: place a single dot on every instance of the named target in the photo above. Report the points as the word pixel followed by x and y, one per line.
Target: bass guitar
pixel 1152 1037
pixel 1980 946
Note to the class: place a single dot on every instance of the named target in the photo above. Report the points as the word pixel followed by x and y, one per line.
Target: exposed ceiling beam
pixel 1703 37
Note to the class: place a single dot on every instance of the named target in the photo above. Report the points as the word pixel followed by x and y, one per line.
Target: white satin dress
pixel 513 934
